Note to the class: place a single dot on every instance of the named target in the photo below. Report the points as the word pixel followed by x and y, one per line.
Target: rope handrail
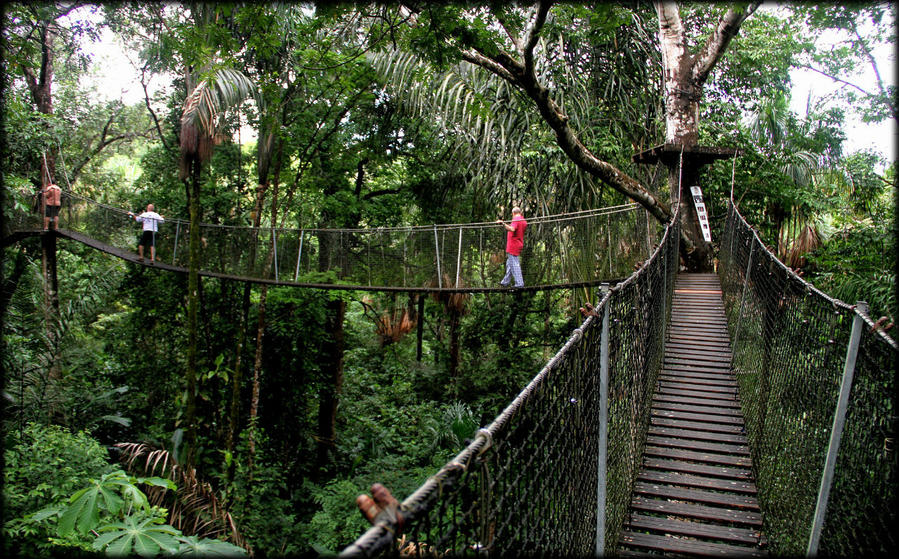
pixel 398 228
pixel 837 303
pixel 819 396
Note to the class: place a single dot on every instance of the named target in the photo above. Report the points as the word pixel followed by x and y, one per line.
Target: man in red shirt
pixel 514 244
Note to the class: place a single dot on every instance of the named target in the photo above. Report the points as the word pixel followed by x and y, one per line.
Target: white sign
pixel 700 211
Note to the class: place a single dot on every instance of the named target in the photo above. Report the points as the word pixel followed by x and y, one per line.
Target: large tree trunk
pixel 40 86
pixel 684 75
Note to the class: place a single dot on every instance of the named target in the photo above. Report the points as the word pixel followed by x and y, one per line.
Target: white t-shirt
pixel 149 219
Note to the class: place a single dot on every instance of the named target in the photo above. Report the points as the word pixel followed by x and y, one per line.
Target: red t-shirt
pixel 515 238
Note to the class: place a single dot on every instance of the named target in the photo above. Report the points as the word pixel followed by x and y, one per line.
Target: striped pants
pixel 513 271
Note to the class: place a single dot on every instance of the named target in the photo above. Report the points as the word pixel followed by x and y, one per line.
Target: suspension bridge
pixel 736 413
pixel 562 251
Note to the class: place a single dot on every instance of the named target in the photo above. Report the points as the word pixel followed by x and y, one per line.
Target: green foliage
pixel 338 520
pixel 102 495
pixel 135 535
pixel 43 465
pixel 857 263
pixel 113 515
pixel 260 501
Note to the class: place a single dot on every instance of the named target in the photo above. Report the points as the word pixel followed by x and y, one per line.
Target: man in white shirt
pixel 150 219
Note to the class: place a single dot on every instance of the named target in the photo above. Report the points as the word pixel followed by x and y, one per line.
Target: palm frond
pixel 224 89
pixel 196 510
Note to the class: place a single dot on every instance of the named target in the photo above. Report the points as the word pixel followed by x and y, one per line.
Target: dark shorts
pixel 148 239
pixel 51 211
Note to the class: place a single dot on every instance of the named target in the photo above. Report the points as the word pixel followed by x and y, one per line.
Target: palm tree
pixel 775 131
pixel 202 125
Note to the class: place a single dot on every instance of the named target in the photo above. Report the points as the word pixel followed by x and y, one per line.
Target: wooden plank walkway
pixel 695 495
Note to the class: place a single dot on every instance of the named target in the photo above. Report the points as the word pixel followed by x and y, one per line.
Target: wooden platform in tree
pixel 695 494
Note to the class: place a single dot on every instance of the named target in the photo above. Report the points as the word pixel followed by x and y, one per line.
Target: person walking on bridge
pixel 52 202
pixel 151 221
pixel 514 243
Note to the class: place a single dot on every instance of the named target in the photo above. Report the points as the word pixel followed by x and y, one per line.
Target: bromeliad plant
pixel 114 515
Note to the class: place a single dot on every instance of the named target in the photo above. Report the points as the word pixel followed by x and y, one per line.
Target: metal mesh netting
pixel 576 248
pixel 528 482
pixel 790 346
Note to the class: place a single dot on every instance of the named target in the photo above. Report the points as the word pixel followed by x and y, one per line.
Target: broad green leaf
pixel 45 513
pixel 205 547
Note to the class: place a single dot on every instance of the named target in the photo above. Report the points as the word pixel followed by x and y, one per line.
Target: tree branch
pixel 515 42
pixel 868 55
pixel 533 35
pixel 488 64
pixel 143 84
pixel 728 27
pixel 386 191
pixel 834 78
pixel 76 171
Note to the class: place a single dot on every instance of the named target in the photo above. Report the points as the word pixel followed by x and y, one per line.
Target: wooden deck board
pixel 692 467
pixel 694 529
pixel 699 512
pixel 709 458
pixel 689 546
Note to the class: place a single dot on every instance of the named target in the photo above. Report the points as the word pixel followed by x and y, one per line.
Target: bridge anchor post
pixel 601 461
pixel 836 431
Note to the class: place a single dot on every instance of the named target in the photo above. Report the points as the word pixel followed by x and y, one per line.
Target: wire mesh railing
pixel 791 357
pixel 576 248
pixel 548 475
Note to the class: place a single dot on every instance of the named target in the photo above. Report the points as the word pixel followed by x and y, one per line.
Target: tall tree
pixel 685 74
pixel 508 42
pixel 34 37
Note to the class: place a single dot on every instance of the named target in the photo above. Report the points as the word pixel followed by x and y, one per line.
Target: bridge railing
pixel 791 346
pixel 549 474
pixel 559 250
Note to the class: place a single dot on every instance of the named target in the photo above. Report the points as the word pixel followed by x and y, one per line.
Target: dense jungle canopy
pixel 280 405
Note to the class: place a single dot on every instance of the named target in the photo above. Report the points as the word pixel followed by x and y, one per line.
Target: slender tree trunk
pixel 330 393
pixel 257 370
pixel 12 282
pixel 51 300
pixel 237 376
pixel 419 335
pixel 454 316
pixel 260 323
pixel 236 379
pixel 193 288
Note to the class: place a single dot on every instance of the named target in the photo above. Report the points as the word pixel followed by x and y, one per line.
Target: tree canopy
pixel 280 405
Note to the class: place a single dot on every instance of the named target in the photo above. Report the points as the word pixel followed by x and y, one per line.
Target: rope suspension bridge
pixel 561 251
pixel 743 412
